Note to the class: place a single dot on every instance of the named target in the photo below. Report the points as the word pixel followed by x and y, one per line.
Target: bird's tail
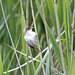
pixel 40 49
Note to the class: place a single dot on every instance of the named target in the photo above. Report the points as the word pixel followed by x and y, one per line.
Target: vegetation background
pixel 53 18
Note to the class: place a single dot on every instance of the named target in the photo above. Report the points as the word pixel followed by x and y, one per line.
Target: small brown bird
pixel 31 38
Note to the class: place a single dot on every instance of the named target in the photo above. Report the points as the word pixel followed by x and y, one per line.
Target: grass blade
pixel 1 65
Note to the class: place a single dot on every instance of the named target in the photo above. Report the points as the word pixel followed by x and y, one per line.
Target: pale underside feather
pixel 31 39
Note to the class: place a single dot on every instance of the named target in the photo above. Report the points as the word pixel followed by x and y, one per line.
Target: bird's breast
pixel 30 38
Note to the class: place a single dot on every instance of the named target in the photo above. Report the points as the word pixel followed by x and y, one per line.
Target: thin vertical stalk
pixel 32 61
pixel 72 34
pixel 27 59
pixel 17 64
pixel 59 38
pixel 27 12
pixel 37 37
pixel 47 34
pixel 22 12
pixel 70 2
pixel 10 37
pixel 66 30
pixel 37 13
pixel 1 64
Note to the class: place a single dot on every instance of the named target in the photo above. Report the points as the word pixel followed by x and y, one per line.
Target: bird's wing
pixel 33 40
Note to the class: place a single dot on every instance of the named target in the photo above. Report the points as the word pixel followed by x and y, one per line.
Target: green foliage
pixel 16 26
pixel 1 65
pixel 52 39
pixel 60 12
pixel 55 45
pixel 40 65
pixel 73 66
pixel 59 73
pixel 48 66
pixel 51 8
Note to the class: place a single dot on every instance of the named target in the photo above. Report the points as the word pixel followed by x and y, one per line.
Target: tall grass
pixel 16 17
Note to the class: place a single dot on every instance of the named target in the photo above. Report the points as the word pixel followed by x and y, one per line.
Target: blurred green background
pixel 13 14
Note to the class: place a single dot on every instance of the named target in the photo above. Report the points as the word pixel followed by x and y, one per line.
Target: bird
pixel 31 38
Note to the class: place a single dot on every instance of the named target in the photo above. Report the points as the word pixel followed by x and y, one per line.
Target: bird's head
pixel 27 29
